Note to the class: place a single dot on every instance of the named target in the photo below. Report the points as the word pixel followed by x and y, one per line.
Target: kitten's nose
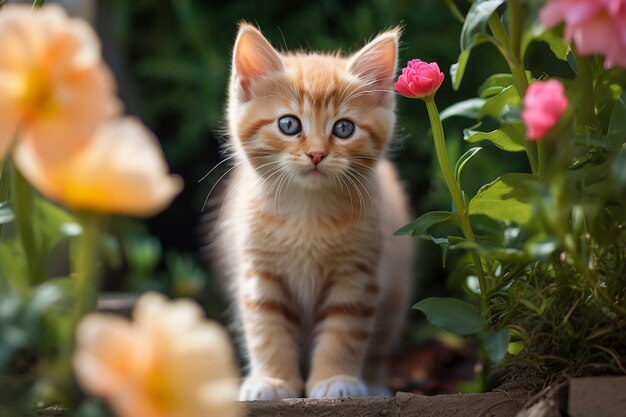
pixel 316 157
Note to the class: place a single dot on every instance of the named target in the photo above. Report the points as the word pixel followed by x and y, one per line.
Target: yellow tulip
pixel 54 85
pixel 121 170
pixel 168 362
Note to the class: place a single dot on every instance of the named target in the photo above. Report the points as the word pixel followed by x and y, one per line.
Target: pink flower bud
pixel 544 104
pixel 419 79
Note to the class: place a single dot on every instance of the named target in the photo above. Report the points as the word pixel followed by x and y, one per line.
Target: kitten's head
pixel 319 120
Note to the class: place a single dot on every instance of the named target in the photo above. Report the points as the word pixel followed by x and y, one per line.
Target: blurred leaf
pixel 508 137
pixel 617 124
pixel 618 170
pixel 463 160
pixel 451 314
pixel 496 344
pixel 422 224
pixel 48 220
pixel 466 108
pixel 515 348
pixel 6 213
pixel 508 198
pixel 543 249
pixel 492 250
pixel 600 142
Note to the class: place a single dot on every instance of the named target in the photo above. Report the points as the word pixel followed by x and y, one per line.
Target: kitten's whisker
pixel 349 195
pixel 218 164
pixel 214 185
pixel 367 192
pixel 268 192
pixel 361 199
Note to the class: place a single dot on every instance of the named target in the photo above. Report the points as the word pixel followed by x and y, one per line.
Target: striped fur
pixel 320 284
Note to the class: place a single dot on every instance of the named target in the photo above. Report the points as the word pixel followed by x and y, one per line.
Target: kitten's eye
pixel 343 129
pixel 289 125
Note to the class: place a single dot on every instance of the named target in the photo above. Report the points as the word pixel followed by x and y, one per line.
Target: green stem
pixel 455 192
pixel 586 117
pixel 23 207
pixel 5 185
pixel 38 3
pixel 86 277
pixel 510 48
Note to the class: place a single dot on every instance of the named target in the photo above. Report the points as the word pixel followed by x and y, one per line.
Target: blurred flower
pixel 53 83
pixel 121 170
pixel 419 79
pixel 544 104
pixel 595 26
pixel 169 361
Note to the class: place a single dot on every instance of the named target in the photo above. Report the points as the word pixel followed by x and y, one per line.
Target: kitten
pixel 305 234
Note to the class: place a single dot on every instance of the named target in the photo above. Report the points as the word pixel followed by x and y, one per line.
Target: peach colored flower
pixel 544 104
pixel 595 26
pixel 167 362
pixel 419 79
pixel 53 83
pixel 120 170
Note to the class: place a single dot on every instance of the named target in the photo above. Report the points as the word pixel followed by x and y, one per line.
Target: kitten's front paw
pixel 265 389
pixel 338 386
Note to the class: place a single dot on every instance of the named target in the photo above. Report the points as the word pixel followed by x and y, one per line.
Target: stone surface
pixel 491 404
pixel 597 397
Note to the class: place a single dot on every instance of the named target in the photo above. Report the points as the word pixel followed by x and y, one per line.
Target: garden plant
pixel 538 253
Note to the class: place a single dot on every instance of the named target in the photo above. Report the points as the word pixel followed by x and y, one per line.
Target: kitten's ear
pixel 253 57
pixel 377 60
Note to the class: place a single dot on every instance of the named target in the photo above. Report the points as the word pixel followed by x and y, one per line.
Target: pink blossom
pixel 595 26
pixel 419 79
pixel 544 104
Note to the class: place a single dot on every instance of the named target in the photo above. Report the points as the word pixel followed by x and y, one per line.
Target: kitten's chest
pixel 307 245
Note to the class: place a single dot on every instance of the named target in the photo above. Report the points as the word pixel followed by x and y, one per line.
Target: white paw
pixel 379 391
pixel 265 389
pixel 339 386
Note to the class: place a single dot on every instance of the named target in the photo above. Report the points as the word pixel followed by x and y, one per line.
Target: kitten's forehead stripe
pixel 248 131
pixel 315 79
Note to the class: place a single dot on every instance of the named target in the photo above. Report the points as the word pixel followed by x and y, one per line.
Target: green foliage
pixel 551 243
pixel 451 314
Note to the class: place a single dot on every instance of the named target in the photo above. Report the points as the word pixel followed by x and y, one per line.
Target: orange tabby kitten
pixel 305 236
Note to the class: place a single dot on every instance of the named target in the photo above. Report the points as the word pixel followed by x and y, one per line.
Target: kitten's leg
pixel 342 331
pixel 271 329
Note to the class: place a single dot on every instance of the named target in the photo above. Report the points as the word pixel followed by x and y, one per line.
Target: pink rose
pixel 544 103
pixel 595 26
pixel 419 79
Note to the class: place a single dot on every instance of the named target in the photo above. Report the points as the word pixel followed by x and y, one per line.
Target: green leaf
pixel 6 213
pixel 495 84
pixel 543 249
pixel 495 105
pixel 476 21
pixel 617 124
pixel 451 314
pixel 496 344
pixel 464 159
pixel 508 137
pixel 422 224
pixel 466 108
pixel 508 198
pixel 559 47
pixel 457 70
pixel 48 220
pixel 491 250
